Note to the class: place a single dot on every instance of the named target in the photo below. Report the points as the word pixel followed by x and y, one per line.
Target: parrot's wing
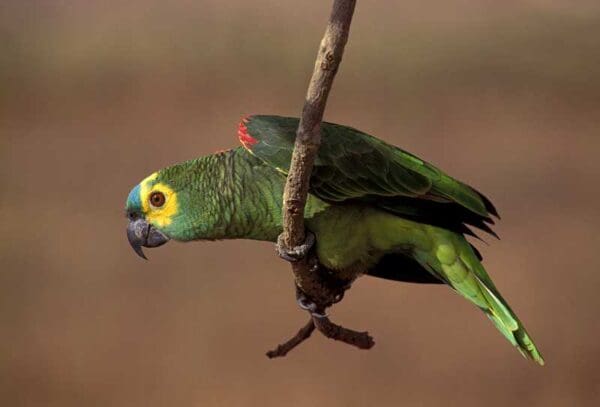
pixel 354 166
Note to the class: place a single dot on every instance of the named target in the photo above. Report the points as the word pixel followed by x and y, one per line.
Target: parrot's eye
pixel 157 199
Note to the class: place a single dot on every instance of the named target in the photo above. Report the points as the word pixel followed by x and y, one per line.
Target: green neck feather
pixel 225 196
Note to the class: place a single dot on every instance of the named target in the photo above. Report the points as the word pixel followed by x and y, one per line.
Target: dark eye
pixel 157 199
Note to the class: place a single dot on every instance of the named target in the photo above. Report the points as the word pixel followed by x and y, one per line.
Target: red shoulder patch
pixel 246 139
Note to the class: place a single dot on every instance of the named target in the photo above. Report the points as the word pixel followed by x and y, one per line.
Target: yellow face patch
pixel 159 216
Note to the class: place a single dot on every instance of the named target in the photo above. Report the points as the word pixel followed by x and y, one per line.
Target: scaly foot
pixel 306 304
pixel 298 252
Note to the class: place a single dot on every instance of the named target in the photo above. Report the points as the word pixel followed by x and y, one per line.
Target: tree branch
pixel 302 335
pixel 361 340
pixel 308 136
pixel 307 272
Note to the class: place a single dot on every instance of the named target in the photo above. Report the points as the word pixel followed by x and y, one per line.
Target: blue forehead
pixel 133 200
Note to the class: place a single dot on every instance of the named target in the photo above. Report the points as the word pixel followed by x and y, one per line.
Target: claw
pixel 298 252
pixel 319 314
pixel 339 297
pixel 308 305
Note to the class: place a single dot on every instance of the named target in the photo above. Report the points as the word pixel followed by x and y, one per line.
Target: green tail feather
pixel 460 268
pixel 514 331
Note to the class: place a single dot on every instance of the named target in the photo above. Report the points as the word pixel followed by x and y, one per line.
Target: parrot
pixel 373 209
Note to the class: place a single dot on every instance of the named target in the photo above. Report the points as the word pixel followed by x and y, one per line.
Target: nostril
pixel 133 215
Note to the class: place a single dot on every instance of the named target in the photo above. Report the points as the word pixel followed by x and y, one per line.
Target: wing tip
pixel 489 206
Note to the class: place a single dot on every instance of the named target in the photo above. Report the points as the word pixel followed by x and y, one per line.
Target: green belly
pixel 357 236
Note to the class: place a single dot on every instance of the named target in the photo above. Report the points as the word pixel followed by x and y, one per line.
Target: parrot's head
pixel 153 211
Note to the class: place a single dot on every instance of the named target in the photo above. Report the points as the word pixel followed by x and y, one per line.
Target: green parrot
pixel 372 208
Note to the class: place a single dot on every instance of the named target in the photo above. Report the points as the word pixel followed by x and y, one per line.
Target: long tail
pixel 453 260
pixel 509 324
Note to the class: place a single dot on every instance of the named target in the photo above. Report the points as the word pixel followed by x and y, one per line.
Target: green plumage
pixel 374 209
pixel 354 166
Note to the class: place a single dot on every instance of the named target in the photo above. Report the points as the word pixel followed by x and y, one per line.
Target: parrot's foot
pixel 311 306
pixel 297 253
pixel 306 304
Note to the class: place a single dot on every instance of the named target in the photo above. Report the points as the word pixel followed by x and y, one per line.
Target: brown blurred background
pixel 95 95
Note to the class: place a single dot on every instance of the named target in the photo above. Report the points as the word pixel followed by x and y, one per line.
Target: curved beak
pixel 141 234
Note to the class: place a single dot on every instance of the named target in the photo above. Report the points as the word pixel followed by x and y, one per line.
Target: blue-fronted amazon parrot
pixel 374 209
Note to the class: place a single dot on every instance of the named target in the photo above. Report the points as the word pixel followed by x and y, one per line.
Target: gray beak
pixel 141 234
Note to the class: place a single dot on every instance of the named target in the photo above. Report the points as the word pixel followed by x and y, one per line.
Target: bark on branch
pixel 308 136
pixel 307 273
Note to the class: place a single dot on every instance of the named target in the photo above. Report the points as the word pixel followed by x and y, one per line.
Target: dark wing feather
pixel 398 267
